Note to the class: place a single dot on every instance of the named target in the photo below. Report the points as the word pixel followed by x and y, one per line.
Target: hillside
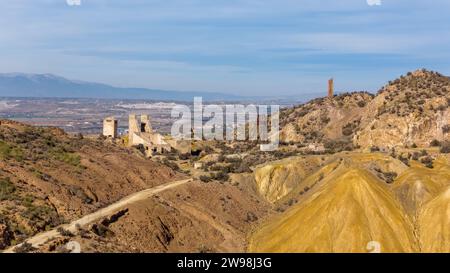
pixel 382 179
pixel 411 110
pixel 402 207
pixel 323 119
pixel 48 178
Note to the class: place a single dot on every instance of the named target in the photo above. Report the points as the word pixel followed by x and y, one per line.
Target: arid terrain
pixel 82 115
pixel 353 171
pixel 75 115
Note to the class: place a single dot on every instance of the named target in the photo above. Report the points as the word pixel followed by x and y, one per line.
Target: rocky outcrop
pixel 323 118
pixel 391 131
pixel 411 110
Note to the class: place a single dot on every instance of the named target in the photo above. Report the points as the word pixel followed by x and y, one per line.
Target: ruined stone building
pixel 331 88
pixel 140 132
pixel 110 127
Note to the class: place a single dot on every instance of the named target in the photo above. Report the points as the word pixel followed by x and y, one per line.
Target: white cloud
pixel 191 40
pixel 73 2
pixel 374 2
pixel 358 42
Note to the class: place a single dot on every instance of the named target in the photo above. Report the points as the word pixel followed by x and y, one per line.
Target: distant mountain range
pixel 52 86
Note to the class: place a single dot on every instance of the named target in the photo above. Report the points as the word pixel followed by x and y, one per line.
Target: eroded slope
pixel 357 202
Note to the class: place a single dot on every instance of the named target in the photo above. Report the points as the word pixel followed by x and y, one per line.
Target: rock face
pixel 351 207
pixel 413 109
pixel 323 119
pixel 277 179
pixel 390 130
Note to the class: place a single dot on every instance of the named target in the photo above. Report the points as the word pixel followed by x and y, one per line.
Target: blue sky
pixel 247 47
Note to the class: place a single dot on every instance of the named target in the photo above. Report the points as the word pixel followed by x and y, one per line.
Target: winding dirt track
pixel 42 238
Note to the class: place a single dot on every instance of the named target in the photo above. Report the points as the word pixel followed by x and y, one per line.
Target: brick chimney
pixel 330 88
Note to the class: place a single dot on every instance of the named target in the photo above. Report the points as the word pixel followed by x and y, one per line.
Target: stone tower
pixel 330 88
pixel 138 125
pixel 146 125
pixel 110 127
pixel 133 127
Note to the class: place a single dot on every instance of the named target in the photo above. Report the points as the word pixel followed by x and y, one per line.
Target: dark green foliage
pixel 445 147
pixel 64 232
pixel 427 161
pixel 205 178
pixel 446 129
pixel 335 146
pixel 7 188
pixel 435 143
pixel 388 177
pixel 9 152
pixel 24 248
pixel 174 166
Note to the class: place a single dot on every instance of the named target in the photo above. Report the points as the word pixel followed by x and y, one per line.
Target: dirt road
pixel 42 238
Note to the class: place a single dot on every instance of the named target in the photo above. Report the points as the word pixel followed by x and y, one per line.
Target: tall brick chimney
pixel 330 88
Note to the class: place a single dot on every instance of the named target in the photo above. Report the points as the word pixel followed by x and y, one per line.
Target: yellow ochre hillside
pixel 365 199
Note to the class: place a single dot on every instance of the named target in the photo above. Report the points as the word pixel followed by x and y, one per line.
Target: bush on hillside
pixel 445 147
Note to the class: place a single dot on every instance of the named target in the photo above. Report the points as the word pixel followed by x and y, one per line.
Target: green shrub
pixel 427 161
pixel 64 232
pixel 404 160
pixel 335 146
pixel 17 153
pixel 388 177
pixel 435 143
pixel 66 157
pixel 42 217
pixel 28 200
pixel 347 130
pixel 174 166
pixel 7 152
pixel 445 147
pixel 24 248
pixel 185 156
pixel 324 119
pixel 446 128
pixel 7 188
pixel 233 160
pixel 221 176
pixel 205 178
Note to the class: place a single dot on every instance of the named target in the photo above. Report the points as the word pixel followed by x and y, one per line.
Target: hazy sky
pixel 246 47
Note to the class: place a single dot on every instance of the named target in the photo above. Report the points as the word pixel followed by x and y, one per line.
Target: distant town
pixel 86 115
